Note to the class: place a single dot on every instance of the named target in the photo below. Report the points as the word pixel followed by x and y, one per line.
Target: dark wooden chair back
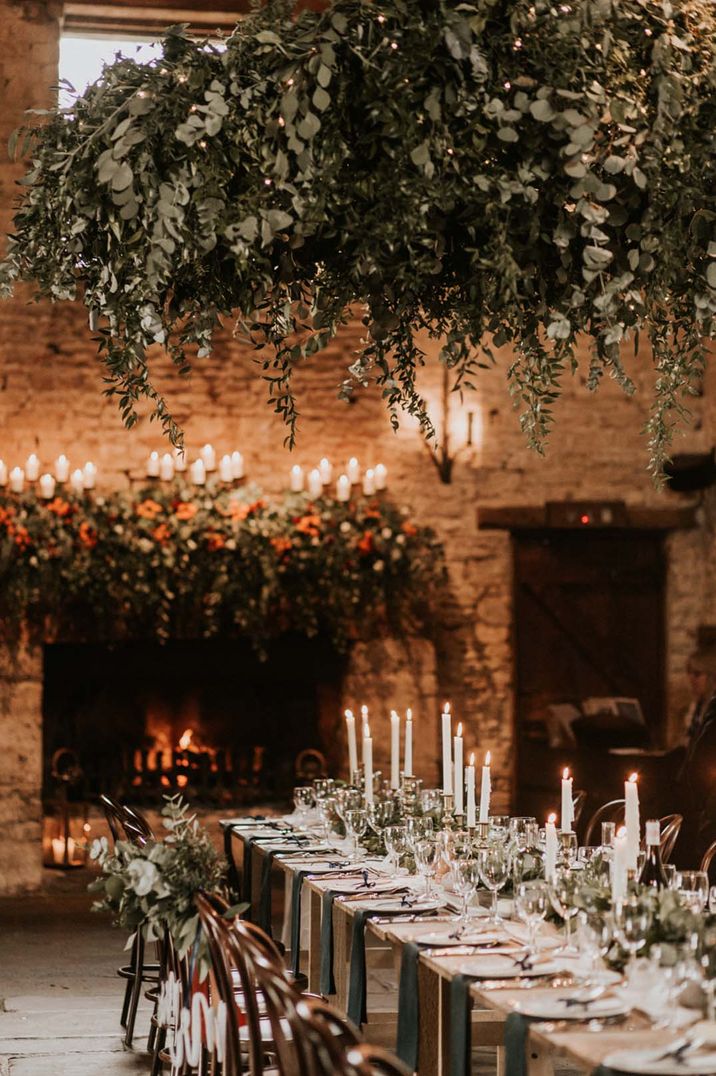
pixel 613 811
pixel 707 857
pixel 669 827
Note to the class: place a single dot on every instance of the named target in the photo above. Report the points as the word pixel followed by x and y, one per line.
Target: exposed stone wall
pixel 50 401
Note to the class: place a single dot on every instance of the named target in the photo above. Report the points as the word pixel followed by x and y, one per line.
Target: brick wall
pixel 50 401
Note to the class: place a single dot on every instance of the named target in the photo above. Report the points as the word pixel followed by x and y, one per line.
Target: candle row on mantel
pixel 458 780
pixel 367 747
pixel 372 481
pixel 79 480
pixel 231 467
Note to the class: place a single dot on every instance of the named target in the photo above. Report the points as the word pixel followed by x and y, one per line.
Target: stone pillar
pixel 20 770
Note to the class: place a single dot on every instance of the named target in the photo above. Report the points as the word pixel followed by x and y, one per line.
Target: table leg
pixel 540 1059
pixel 341 953
pixel 433 1025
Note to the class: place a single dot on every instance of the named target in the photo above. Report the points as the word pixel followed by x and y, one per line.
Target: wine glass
pixel 425 850
pixel 523 831
pixel 531 903
pixel 380 814
pixel 396 845
pixel 348 799
pixel 632 922
pixel 499 825
pixel 595 935
pixel 303 800
pixel 494 862
pixel 568 848
pixel 356 825
pixel 466 878
pixel 562 888
pixel 416 829
pixel 693 889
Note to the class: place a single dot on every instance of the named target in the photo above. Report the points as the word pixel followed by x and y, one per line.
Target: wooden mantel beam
pixel 151 17
pixel 586 515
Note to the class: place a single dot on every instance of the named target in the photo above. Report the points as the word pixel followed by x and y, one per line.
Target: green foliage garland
pixel 174 562
pixel 494 171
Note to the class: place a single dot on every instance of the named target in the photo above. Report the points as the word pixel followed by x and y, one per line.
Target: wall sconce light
pixel 445 452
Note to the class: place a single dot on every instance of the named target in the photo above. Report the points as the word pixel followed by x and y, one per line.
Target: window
pixel 82 57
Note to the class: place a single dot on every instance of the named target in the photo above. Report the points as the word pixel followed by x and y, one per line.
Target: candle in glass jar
pixel 226 471
pixel 369 482
pixel 485 790
pixel 315 485
pixel 3 473
pixel 343 488
pixel 408 763
pixel 447 749
pixel 368 764
pixel 46 487
pixel 208 457
pixel 325 468
pixel 77 481
pixel 197 472
pixel 459 771
pixel 62 468
pixel 90 475
pixel 237 465
pixel 153 465
pixel 296 480
pixel 550 847
pixel 166 467
pixel 180 463
pixel 631 820
pixel 352 744
pixel 17 479
pixel 381 476
pixel 353 471
pixel 394 750
pixel 470 789
pixel 620 865
pixel 567 817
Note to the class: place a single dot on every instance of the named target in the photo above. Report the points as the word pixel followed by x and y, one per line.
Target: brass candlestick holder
pixel 408 794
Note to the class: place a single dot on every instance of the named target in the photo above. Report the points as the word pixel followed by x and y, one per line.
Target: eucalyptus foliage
pixel 494 172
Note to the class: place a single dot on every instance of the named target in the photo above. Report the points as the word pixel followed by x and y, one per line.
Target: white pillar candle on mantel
pixel 470 788
pixel 197 472
pixel 166 467
pixel 353 471
pixel 180 463
pixel 447 749
pixel 3 473
pixel 408 763
pixel 325 468
pixel 631 821
pixel 226 471
pixel 153 465
pixel 567 814
pixel 394 749
pixel 343 488
pixel 485 790
pixel 381 476
pixel 296 480
pixel 32 468
pixel 459 771
pixel 46 487
pixel 550 847
pixel 315 485
pixel 208 457
pixel 352 743
pixel 89 475
pixel 369 482
pixel 237 465
pixel 17 479
pixel 368 764
pixel 62 468
pixel 620 853
pixel 77 481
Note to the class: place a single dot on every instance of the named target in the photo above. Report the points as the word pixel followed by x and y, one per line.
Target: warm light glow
pixel 182 780
pixel 565 773
pixel 349 713
pixel 551 819
pixel 634 777
pixel 488 758
pixel 408 714
pixel 364 712
pixel 446 708
pixel 393 713
pixel 472 759
pixel 459 729
pixel 185 739
pixel 621 832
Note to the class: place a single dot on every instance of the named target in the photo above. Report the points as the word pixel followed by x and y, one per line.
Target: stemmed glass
pixel 523 832
pixel 347 799
pixel 416 829
pixel 494 864
pixel 693 889
pixel 380 814
pixel 303 801
pixel 562 887
pixel 466 878
pixel 595 934
pixel 356 825
pixel 425 850
pixel 632 922
pixel 531 903
pixel 396 845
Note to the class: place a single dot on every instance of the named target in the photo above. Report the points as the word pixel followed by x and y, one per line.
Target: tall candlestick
pixel 325 468
pixel 394 750
pixel 46 487
pixel 364 723
pixel 352 744
pixel 180 462
pixel 32 468
pixel 381 476
pixel 459 772
pixel 89 475
pixel 315 485
pixel 353 471
pixel 226 471
pixel 343 488
pixel 153 465
pixel 77 481
pixel 237 465
pixel 408 763
pixel 485 790
pixel 62 468
pixel 620 864
pixel 198 473
pixel 296 480
pixel 17 479
pixel 631 820
pixel 550 847
pixel 447 750
pixel 368 764
pixel 470 786
pixel 207 455
pixel 369 482
pixel 3 473
pixel 567 820
pixel 166 467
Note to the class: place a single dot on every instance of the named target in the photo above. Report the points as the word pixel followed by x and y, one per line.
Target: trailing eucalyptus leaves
pixel 496 172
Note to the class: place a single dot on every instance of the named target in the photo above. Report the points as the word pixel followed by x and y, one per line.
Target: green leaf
pixel 542 110
pixel 421 154
pixel 711 275
pixel 321 100
pixel 122 178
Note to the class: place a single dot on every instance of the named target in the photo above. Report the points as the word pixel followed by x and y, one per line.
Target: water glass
pixel 356 825
pixel 595 935
pixel 524 832
pixel 347 799
pixel 303 800
pixel 562 890
pixel 531 903
pixel 494 863
pixel 396 845
pixel 499 824
pixel 380 814
pixel 466 879
pixel 417 829
pixel 632 922
pixel 431 803
pixel 425 850
pixel 693 889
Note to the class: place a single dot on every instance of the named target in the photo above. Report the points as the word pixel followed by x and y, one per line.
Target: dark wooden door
pixel 589 621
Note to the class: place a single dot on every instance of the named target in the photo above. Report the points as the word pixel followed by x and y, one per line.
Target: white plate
pixel 446 936
pixel 354 885
pixel 642 1062
pixel 556 1008
pixel 520 933
pixel 505 967
pixel 396 906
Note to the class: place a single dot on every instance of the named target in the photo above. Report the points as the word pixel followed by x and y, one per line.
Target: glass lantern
pixel 65 835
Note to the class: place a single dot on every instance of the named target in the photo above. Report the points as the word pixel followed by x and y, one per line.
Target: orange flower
pixel 148 509
pixel 6 515
pixel 185 510
pixel 161 534
pixel 59 507
pixel 22 537
pixel 87 535
pixel 365 545
pixel 215 541
pixel 310 525
pixel 281 545
pixel 409 528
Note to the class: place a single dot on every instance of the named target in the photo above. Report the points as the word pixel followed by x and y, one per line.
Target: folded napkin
pixel 296 919
pixel 327 982
pixel 234 880
pixel 246 876
pixel 516 1030
pixel 356 1007
pixel 460 1035
pixel 264 909
pixel 408 1007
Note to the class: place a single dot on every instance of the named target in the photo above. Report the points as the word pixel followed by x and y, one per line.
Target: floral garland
pixel 172 562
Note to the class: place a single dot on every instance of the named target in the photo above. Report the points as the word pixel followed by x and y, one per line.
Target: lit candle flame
pixel 551 819
pixel 488 758
pixel 621 832
pixel 472 759
pixel 364 712
pixel 446 708
pixel 186 738
pixel 634 777
pixel 565 773
pixel 459 729
pixel 349 713
pixel 393 713
pixel 408 714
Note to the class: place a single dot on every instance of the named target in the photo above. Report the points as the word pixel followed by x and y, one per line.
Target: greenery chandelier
pixel 494 172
